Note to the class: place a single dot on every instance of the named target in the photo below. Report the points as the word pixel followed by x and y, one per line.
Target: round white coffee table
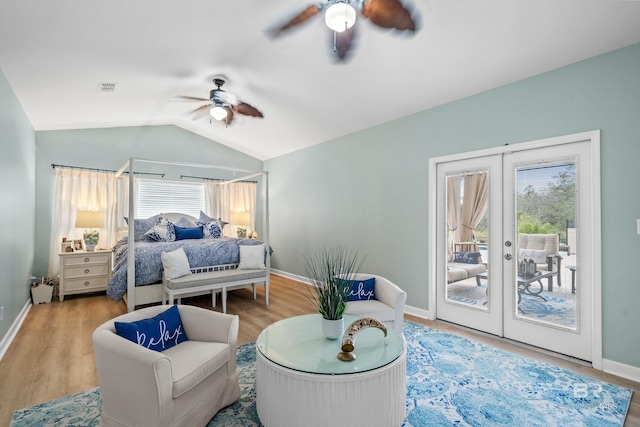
pixel 301 382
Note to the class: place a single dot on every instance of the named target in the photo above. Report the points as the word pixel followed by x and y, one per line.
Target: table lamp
pixel 242 220
pixel 90 221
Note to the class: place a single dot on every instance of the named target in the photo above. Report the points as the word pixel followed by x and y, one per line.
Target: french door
pixel 516 249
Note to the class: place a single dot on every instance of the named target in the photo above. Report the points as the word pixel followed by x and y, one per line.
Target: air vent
pixel 106 87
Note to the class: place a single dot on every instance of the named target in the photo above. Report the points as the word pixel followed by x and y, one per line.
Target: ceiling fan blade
pixel 190 98
pixel 311 11
pixel 200 112
pixel 388 14
pixel 247 110
pixel 343 43
pixel 229 115
pixel 201 108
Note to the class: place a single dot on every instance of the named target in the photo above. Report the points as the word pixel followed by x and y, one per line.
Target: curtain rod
pixel 211 179
pixel 53 165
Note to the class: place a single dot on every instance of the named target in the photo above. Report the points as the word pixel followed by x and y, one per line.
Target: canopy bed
pixel 137 274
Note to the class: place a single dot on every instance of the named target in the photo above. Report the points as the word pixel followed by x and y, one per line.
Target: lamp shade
pixel 90 219
pixel 240 218
pixel 340 17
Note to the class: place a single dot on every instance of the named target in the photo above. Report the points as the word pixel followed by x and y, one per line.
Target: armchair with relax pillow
pixel 166 367
pixel 377 297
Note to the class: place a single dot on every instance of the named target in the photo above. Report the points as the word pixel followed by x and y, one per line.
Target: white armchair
pixel 388 307
pixel 185 385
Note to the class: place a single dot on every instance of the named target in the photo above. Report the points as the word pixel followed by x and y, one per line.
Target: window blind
pixel 156 197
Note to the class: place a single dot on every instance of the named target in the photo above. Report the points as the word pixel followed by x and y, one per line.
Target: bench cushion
pixel 460 271
pixel 214 277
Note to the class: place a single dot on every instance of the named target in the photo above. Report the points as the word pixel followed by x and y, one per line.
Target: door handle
pixel 508 257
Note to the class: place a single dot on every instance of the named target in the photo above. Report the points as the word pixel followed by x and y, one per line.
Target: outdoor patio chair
pixel 544 249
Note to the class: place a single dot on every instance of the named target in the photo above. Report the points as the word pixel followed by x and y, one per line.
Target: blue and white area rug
pixel 451 381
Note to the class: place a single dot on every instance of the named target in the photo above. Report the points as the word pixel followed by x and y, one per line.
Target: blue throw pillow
pixel 188 233
pixel 467 257
pixel 360 290
pixel 157 333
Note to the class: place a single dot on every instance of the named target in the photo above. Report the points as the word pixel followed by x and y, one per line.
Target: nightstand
pixel 84 272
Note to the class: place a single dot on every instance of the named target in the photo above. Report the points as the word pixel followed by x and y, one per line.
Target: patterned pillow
pixel 184 223
pixel 157 333
pixel 141 226
pixel 204 219
pixel 162 231
pixel 467 257
pixel 360 290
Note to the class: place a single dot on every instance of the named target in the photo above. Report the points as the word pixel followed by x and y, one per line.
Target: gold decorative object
pixel 349 337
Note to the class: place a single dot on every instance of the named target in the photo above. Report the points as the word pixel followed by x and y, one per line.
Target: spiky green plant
pixel 326 269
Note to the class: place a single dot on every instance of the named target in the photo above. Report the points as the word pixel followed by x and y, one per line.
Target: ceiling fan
pixel 340 17
pixel 222 105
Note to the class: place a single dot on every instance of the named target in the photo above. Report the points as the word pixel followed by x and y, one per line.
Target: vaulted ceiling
pixel 55 53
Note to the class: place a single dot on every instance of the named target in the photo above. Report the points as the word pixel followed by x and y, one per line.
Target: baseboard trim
pixel 419 312
pixel 13 330
pixel 290 276
pixel 621 370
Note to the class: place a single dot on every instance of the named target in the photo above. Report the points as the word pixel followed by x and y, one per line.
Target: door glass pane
pixel 467 246
pixel 546 286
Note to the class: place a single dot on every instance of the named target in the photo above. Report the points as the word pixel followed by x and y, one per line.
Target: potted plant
pixel 327 270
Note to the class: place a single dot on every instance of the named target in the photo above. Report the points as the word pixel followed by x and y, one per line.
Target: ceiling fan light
pixel 340 17
pixel 218 112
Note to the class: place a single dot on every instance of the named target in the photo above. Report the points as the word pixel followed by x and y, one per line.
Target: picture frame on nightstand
pixel 67 246
pixel 78 245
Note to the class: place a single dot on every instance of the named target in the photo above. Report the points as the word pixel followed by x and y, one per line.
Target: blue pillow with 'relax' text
pixel 158 333
pixel 360 290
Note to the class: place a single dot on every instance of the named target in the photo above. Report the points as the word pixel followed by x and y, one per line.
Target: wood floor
pixel 52 354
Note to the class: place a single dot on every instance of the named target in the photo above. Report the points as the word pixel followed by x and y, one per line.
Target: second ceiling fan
pixel 222 105
pixel 340 17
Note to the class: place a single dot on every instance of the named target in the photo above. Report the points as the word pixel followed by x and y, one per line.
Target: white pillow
pixel 539 256
pixel 175 264
pixel 251 257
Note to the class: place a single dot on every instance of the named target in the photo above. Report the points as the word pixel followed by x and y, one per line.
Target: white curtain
pixel 212 198
pixel 237 197
pixel 474 205
pixel 81 190
pixel 453 211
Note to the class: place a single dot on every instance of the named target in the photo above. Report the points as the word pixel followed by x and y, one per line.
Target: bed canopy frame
pixel 129 166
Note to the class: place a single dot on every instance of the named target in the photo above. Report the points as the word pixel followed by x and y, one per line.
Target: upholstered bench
pixel 214 279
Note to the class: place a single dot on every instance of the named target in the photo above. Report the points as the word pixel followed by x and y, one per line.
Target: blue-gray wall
pixel 369 190
pixel 17 205
pixel 110 148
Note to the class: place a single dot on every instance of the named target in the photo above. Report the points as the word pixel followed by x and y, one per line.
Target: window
pixel 156 197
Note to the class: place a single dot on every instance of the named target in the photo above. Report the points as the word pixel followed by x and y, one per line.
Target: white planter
pixel 332 329
pixel 41 294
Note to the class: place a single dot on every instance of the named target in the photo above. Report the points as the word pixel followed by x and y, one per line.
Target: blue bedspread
pixel 200 252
